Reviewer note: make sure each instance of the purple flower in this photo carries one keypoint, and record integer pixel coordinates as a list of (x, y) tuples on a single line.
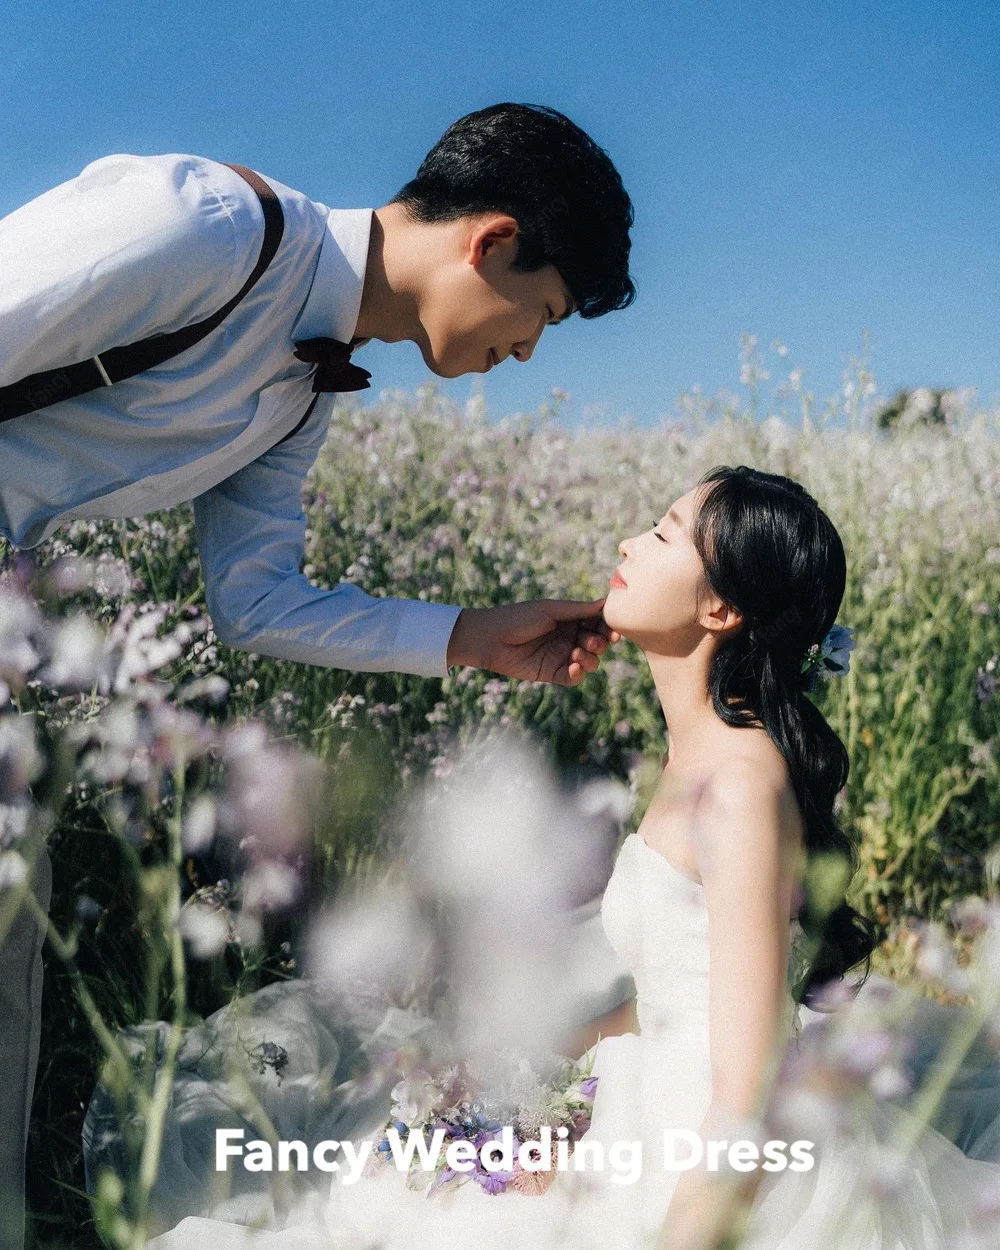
[(493, 1182), (581, 1122), (588, 1087)]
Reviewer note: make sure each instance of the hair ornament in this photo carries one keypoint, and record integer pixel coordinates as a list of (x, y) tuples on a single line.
[(829, 658)]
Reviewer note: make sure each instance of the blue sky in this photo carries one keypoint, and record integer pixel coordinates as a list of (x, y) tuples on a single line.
[(800, 171)]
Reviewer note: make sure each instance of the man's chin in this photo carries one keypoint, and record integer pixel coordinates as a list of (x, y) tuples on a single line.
[(444, 368)]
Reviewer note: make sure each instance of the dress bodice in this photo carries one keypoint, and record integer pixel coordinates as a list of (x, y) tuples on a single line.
[(655, 917)]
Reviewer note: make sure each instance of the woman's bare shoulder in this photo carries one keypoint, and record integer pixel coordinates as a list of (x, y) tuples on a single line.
[(748, 791), (735, 766)]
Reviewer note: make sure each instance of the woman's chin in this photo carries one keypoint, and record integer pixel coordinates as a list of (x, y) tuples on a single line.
[(621, 625), (612, 618)]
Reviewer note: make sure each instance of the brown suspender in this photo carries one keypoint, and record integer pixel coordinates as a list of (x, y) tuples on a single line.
[(118, 363)]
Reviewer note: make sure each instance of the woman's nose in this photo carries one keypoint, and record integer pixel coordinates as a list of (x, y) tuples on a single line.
[(622, 549)]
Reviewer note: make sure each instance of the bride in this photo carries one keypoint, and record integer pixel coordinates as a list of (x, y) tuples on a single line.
[(729, 596)]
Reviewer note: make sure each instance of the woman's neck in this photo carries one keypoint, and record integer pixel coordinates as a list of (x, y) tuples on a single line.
[(682, 687)]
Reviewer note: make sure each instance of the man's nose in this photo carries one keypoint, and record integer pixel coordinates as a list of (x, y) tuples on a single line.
[(522, 350)]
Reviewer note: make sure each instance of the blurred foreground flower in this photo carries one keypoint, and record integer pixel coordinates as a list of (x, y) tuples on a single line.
[(496, 857)]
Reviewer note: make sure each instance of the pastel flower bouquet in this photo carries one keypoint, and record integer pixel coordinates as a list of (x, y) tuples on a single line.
[(444, 1130)]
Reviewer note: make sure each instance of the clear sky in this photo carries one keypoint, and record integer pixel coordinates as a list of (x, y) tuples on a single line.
[(801, 171)]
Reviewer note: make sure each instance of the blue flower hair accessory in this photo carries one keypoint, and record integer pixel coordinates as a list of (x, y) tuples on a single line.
[(829, 658)]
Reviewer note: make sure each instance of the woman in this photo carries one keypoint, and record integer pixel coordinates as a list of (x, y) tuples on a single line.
[(728, 596)]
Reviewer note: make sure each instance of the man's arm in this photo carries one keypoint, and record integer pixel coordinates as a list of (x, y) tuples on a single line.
[(131, 247), (251, 538)]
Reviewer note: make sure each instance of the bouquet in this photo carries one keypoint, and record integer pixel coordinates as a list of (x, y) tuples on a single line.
[(445, 1129)]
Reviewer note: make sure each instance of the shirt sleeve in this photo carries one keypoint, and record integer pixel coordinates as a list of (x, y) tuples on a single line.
[(251, 539), (133, 246)]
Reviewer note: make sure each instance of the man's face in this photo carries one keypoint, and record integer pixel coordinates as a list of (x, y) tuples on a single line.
[(477, 310)]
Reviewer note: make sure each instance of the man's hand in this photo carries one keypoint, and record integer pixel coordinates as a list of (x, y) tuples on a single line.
[(552, 640)]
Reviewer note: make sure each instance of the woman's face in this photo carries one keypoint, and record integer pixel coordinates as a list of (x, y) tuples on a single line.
[(659, 596)]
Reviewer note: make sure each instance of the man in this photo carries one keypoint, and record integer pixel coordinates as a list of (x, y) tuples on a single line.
[(515, 220)]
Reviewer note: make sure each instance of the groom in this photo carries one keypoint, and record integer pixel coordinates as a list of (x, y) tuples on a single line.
[(175, 329)]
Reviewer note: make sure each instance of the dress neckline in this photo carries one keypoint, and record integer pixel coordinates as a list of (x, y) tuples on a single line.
[(663, 859), (676, 871)]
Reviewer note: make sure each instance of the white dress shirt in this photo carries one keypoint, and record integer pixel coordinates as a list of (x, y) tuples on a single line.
[(141, 245)]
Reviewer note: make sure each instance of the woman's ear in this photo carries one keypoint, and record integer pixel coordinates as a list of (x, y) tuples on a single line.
[(720, 617)]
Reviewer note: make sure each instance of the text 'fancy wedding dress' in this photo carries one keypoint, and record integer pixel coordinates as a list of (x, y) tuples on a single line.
[(656, 918)]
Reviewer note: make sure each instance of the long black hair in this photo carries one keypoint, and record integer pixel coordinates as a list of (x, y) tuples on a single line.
[(773, 554)]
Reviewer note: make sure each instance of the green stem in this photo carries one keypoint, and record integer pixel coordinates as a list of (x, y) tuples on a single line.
[(65, 951), (149, 1161)]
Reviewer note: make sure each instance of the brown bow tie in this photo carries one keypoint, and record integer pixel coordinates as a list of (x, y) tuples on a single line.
[(335, 372)]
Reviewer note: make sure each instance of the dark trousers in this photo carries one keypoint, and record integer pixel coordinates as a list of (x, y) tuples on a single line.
[(20, 1029)]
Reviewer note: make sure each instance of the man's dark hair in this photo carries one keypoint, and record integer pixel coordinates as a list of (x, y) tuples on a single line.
[(566, 196)]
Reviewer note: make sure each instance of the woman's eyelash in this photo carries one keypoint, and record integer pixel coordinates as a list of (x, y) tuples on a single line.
[(659, 536)]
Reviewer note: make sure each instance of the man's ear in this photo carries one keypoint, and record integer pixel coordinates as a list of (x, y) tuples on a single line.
[(499, 230)]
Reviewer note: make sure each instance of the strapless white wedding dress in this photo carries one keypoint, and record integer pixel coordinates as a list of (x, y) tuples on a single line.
[(656, 918)]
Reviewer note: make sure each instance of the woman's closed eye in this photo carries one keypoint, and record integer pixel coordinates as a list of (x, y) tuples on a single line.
[(659, 536)]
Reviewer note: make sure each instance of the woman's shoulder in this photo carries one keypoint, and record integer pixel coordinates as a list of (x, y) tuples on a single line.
[(746, 765), (748, 786), (733, 802)]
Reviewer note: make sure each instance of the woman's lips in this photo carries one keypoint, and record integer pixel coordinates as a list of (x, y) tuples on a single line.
[(618, 580)]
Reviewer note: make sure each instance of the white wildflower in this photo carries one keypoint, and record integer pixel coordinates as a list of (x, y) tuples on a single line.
[(205, 928), (198, 829), (77, 651), (415, 1097), (13, 869), (270, 886), (887, 1081), (20, 760), (20, 620)]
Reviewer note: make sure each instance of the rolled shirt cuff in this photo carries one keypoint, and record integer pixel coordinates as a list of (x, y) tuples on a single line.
[(422, 637)]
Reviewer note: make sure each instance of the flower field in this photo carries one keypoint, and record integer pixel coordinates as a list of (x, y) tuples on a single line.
[(175, 777)]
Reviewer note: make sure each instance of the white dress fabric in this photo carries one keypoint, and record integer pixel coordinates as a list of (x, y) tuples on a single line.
[(656, 919)]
